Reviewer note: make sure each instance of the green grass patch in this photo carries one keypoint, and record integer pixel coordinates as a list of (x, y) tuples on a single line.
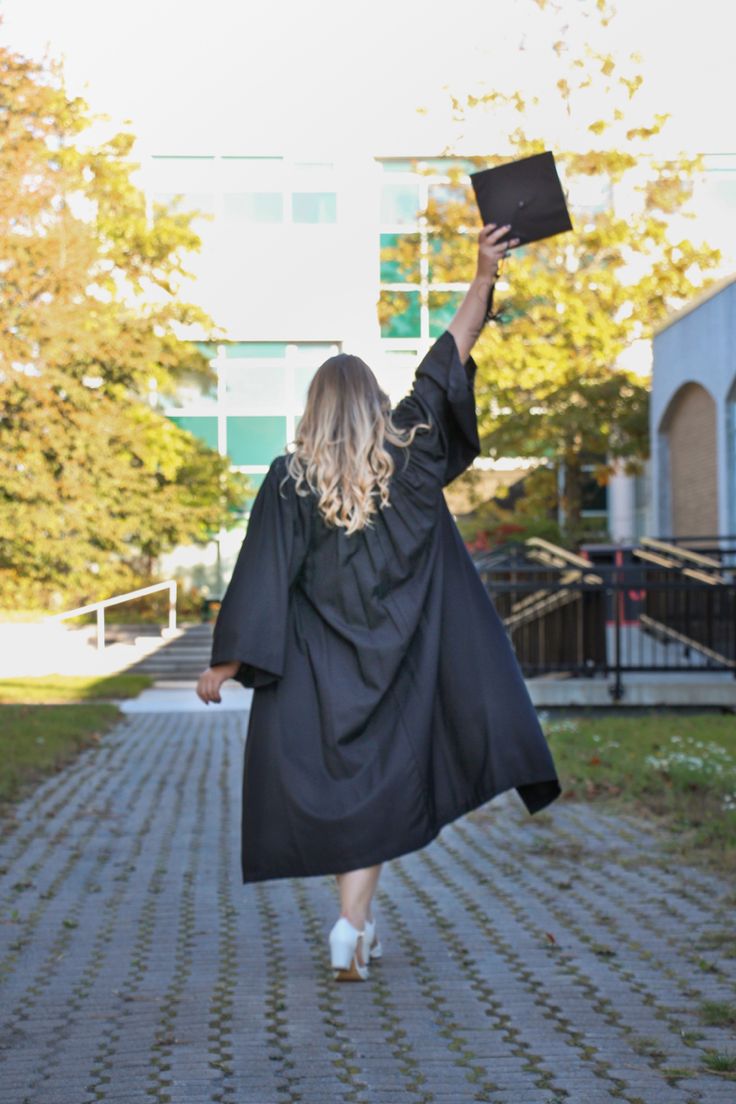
[(720, 1062), (679, 770), (37, 740), (50, 689), (718, 1013)]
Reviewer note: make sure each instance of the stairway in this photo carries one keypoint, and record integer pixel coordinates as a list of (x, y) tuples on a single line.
[(182, 659)]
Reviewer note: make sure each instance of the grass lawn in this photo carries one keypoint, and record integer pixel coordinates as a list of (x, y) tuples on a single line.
[(45, 722), (677, 769), (49, 689), (37, 740)]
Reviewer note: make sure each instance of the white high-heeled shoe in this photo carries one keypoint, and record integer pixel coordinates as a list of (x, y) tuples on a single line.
[(348, 955), (372, 942)]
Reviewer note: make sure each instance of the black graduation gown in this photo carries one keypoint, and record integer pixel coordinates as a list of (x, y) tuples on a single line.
[(387, 699)]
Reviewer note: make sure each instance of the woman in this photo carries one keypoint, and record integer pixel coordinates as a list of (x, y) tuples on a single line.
[(387, 699)]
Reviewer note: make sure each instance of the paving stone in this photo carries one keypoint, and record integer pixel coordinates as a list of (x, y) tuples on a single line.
[(526, 960)]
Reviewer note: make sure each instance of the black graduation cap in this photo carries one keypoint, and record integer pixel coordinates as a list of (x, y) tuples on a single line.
[(527, 194)]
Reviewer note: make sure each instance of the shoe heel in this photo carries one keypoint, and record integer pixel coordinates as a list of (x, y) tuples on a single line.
[(374, 950), (347, 948)]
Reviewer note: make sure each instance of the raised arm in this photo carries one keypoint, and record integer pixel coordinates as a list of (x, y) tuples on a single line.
[(470, 316)]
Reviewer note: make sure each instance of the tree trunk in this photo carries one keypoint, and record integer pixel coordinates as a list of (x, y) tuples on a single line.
[(572, 494)]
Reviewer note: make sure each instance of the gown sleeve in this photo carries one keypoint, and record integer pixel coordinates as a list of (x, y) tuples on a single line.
[(442, 394), (251, 622)]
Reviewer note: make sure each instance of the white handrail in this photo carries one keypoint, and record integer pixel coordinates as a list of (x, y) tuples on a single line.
[(100, 606)]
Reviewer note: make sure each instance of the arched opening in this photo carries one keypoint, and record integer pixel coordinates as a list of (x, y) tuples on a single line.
[(688, 450), (731, 457)]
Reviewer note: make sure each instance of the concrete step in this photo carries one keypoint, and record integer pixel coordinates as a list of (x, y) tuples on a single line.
[(181, 659)]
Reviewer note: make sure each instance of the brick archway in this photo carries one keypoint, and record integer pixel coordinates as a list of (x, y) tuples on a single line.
[(689, 427)]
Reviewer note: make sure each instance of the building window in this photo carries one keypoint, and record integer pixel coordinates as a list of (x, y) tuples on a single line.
[(442, 308), (593, 495), (256, 349), (182, 157), (257, 388), (254, 479), (314, 207), (454, 260), (405, 318), (204, 428), (399, 258), (411, 252), (443, 193), (192, 391), (303, 376), (253, 206), (397, 372), (400, 202), (255, 440)]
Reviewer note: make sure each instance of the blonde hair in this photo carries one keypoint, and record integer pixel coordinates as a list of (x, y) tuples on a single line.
[(339, 452)]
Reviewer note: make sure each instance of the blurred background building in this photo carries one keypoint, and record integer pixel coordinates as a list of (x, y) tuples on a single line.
[(291, 268), (693, 417)]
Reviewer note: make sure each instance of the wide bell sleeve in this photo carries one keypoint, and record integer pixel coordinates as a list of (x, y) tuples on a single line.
[(251, 623), (443, 394)]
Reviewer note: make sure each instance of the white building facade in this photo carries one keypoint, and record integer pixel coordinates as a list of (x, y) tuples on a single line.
[(291, 269)]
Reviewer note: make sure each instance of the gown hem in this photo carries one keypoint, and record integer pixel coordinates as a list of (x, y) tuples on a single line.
[(551, 790)]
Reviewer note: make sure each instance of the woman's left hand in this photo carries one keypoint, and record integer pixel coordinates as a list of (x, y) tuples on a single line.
[(210, 681)]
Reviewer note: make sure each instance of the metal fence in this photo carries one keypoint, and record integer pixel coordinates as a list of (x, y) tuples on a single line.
[(568, 617)]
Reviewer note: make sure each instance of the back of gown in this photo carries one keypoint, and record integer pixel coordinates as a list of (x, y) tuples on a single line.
[(387, 699)]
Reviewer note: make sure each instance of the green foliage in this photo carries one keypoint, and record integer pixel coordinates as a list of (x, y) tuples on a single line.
[(492, 523), (550, 381), (94, 482)]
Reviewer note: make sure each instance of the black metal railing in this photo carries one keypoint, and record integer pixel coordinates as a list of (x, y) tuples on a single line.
[(567, 617)]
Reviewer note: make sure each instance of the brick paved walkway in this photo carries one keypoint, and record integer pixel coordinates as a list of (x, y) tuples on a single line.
[(135, 966)]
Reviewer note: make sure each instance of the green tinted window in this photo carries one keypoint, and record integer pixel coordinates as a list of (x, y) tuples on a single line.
[(204, 428), (254, 206), (206, 348), (443, 193), (399, 258), (255, 479), (303, 374), (314, 207), (254, 440), (452, 261), (256, 349), (442, 308), (445, 164), (399, 201), (594, 496), (255, 388), (399, 314)]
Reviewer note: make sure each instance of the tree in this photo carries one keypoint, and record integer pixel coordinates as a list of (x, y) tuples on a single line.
[(94, 482), (550, 383)]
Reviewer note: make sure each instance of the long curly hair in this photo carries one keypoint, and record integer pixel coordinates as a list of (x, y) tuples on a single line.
[(339, 449)]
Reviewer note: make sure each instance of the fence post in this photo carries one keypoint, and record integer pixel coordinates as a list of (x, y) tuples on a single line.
[(172, 605), (616, 689), (100, 628)]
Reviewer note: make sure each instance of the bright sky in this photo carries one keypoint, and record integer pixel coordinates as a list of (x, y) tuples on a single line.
[(337, 75)]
